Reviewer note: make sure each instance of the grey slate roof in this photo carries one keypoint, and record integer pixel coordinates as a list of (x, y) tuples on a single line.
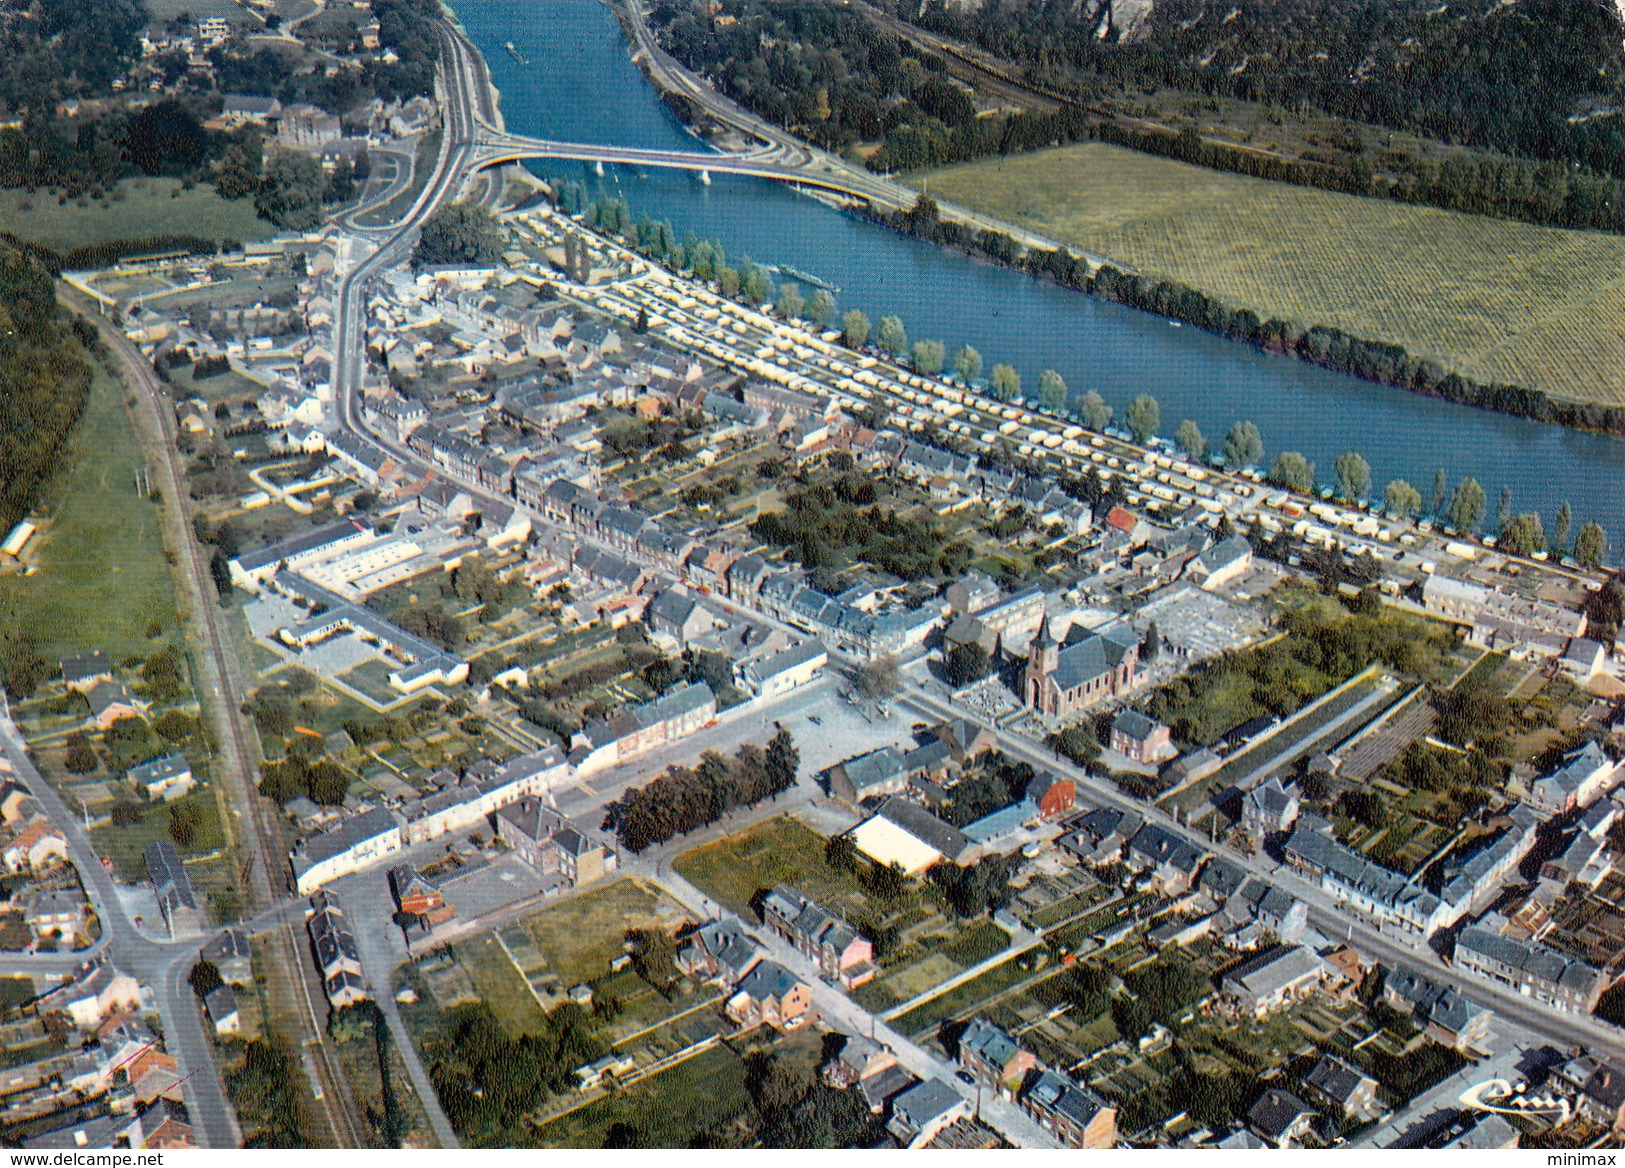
[(924, 826)]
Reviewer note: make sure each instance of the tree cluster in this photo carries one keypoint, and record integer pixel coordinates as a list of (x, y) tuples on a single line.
[(977, 889), (993, 782), (268, 1090), (686, 798), (487, 1077), (1506, 80), (323, 781), (44, 384), (827, 523), (461, 233)]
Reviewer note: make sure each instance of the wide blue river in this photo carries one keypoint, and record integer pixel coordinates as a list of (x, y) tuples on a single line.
[(580, 85)]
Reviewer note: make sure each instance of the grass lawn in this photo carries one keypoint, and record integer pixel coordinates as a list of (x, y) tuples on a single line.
[(961, 998), (706, 1093), (103, 574), (138, 207), (499, 984), (979, 941), (781, 850), (124, 844), (14, 991), (228, 386), (1495, 300), (582, 935)]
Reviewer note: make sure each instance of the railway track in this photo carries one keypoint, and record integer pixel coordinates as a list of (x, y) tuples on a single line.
[(221, 693)]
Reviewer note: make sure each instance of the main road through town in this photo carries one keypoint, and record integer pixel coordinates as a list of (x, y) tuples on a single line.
[(467, 104)]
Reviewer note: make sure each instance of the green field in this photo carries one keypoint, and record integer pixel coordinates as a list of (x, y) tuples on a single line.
[(123, 845), (580, 936), (1495, 300), (777, 851), (103, 576), (138, 208), (706, 1093), (161, 11)]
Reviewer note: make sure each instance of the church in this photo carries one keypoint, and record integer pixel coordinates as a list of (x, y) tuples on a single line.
[(1062, 680)]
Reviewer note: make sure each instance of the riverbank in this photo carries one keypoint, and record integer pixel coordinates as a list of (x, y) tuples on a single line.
[(594, 92), (1373, 362), (1590, 400)]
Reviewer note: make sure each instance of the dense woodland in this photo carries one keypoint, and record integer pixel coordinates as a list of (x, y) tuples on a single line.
[(75, 48), (1529, 88), (1506, 77), (44, 379)]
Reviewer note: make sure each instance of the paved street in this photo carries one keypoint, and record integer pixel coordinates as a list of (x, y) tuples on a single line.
[(836, 1009), (154, 961), (1325, 914)]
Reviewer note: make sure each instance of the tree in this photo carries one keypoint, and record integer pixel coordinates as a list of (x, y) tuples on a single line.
[(967, 663), (927, 357), (1436, 496), (290, 194), (1467, 506), (327, 783), (165, 138), (1402, 499), (240, 169), (1006, 382), (790, 303), (1052, 391), (1293, 471), (855, 329), (1189, 439), (1151, 645), (1503, 510), (968, 363), (205, 978), (820, 307), (1353, 476), (80, 757), (459, 233), (1143, 416), (1524, 535), (728, 282), (184, 821), (1591, 545), (879, 678), (1243, 446), (1094, 411), (892, 336), (175, 726), (782, 762), (1560, 530), (841, 853), (754, 283), (220, 572), (654, 957)]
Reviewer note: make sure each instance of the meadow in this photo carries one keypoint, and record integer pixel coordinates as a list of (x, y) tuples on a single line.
[(103, 577), (137, 208), (1494, 300)]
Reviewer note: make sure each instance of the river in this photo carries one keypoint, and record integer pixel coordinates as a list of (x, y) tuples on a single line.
[(580, 85)]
